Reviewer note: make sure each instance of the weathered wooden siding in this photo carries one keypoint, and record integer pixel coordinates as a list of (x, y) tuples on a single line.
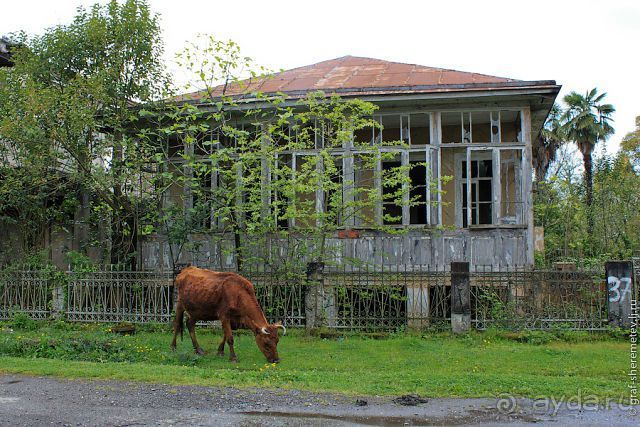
[(496, 247)]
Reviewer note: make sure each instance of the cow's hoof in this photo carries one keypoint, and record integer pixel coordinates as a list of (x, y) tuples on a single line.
[(173, 348), (221, 353), (233, 360), (200, 352)]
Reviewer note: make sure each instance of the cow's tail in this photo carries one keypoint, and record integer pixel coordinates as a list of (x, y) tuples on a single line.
[(181, 326), (179, 321)]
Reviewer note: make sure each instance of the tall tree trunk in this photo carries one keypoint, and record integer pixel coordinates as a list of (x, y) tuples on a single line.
[(588, 182), (123, 222), (117, 226)]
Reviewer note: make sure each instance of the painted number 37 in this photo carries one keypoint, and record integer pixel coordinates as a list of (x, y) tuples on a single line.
[(618, 288)]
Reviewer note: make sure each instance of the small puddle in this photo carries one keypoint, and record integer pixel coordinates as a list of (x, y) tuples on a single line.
[(472, 417), (373, 420)]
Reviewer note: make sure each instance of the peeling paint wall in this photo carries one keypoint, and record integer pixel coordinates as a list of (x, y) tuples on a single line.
[(495, 247)]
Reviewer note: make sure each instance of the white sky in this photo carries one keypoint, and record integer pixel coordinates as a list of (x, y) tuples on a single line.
[(580, 44)]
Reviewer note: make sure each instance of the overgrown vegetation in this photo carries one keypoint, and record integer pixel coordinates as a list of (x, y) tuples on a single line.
[(96, 145), (479, 364), (589, 210)]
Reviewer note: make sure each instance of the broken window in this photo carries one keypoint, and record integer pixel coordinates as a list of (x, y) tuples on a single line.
[(333, 191), (455, 127), (511, 203), (511, 126), (391, 191), (303, 135), (306, 183), (202, 210), (479, 197), (483, 127), (418, 192), (364, 177), (281, 176), (391, 130), (419, 129)]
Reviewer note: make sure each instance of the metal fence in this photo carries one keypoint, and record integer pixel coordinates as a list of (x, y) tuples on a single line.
[(281, 295), (363, 298), (384, 298), (110, 295), (538, 299), (25, 290)]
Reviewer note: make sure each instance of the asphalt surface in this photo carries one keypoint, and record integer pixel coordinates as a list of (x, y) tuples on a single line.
[(39, 401)]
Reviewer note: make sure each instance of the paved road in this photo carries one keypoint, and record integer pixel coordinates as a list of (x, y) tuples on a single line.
[(38, 401)]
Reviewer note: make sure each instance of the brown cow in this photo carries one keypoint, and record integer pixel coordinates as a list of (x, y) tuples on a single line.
[(228, 297)]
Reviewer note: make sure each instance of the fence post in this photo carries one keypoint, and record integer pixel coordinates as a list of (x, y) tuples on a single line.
[(460, 298), (58, 304), (314, 300), (619, 275)]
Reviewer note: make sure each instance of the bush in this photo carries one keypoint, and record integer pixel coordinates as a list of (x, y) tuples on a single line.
[(21, 320)]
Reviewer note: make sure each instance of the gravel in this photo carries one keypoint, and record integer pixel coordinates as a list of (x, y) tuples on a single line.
[(37, 401)]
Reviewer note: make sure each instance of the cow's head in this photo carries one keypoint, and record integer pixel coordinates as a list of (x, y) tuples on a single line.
[(267, 339)]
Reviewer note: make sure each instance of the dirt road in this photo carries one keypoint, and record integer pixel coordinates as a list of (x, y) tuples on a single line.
[(38, 401)]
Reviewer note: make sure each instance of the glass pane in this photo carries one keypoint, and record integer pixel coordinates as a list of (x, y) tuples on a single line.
[(464, 195), (484, 210), (484, 191), (485, 168)]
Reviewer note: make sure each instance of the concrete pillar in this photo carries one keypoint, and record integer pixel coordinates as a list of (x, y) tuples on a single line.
[(312, 295), (417, 305), (320, 307), (460, 298), (58, 302), (619, 275)]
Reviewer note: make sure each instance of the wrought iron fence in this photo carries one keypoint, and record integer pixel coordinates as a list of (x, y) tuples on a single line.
[(25, 290), (114, 296), (534, 299), (353, 298), (281, 295), (384, 298)]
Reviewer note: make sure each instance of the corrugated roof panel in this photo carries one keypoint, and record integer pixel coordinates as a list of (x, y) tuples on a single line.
[(352, 72)]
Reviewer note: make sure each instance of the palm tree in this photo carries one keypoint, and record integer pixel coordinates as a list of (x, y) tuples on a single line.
[(587, 121), (549, 140)]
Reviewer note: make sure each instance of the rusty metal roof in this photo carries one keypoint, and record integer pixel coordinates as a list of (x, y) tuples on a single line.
[(358, 76)]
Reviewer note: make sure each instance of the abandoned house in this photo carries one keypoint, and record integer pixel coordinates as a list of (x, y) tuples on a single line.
[(474, 128)]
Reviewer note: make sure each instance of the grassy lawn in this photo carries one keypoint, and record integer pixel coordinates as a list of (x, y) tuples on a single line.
[(436, 365)]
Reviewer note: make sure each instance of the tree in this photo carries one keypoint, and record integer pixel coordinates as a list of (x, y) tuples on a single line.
[(69, 98), (270, 176), (616, 200), (587, 121), (631, 145), (545, 147)]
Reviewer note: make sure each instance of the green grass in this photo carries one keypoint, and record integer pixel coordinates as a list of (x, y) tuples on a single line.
[(437, 365)]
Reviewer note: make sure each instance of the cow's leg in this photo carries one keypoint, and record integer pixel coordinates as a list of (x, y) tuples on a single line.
[(228, 336), (221, 346), (177, 323), (191, 325)]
